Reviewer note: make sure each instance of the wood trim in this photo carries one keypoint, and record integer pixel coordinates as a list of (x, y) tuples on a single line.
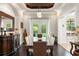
[(39, 5), (6, 15)]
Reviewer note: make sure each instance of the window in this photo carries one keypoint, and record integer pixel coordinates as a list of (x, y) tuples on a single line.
[(35, 29), (43, 30), (70, 24)]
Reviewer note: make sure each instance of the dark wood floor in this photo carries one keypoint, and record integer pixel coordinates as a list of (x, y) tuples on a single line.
[(58, 51)]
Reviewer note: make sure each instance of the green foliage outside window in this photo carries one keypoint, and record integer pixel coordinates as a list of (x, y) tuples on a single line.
[(43, 30), (35, 29), (70, 25)]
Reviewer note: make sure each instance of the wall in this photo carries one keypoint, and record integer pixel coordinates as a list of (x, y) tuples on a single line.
[(18, 20), (62, 36), (61, 30), (53, 25), (8, 9), (26, 23)]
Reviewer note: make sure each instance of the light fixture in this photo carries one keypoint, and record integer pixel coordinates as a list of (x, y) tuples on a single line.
[(39, 15)]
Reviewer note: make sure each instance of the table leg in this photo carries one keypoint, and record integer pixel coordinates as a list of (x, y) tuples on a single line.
[(51, 51)]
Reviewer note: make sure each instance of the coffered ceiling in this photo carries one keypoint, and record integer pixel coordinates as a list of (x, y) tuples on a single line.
[(39, 5)]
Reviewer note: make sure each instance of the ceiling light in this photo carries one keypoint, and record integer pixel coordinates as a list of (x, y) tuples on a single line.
[(39, 15)]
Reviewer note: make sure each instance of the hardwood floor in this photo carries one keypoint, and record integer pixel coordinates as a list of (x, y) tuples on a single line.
[(60, 51), (57, 51)]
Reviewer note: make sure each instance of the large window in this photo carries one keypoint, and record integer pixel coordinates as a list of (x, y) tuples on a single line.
[(39, 27), (43, 30), (35, 29)]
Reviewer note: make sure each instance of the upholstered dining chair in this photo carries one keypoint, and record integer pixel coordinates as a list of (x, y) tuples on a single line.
[(50, 43), (50, 40), (29, 42)]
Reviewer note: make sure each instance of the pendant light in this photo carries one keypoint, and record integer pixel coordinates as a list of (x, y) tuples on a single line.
[(39, 14)]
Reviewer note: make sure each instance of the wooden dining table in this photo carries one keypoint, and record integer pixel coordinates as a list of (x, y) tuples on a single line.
[(40, 47)]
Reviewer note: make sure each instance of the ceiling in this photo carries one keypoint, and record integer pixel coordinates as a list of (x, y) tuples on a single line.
[(62, 8)]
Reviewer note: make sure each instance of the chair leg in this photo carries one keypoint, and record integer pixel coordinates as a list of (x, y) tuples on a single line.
[(51, 52)]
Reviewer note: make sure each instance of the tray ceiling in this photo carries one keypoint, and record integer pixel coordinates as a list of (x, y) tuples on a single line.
[(39, 5)]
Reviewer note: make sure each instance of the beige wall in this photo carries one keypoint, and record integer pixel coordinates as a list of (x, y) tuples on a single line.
[(53, 25), (62, 31)]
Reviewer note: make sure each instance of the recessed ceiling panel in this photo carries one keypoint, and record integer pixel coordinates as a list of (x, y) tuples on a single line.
[(39, 5)]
